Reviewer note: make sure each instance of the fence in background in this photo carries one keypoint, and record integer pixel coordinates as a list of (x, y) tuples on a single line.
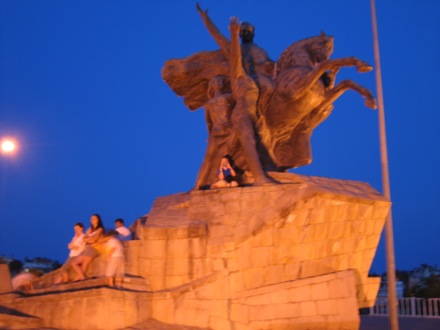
[(417, 307)]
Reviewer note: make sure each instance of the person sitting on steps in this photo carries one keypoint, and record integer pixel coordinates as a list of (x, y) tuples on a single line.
[(92, 249)]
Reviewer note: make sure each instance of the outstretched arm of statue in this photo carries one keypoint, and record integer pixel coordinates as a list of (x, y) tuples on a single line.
[(219, 38), (235, 52)]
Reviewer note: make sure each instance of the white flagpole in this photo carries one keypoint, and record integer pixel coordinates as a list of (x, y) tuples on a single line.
[(389, 239)]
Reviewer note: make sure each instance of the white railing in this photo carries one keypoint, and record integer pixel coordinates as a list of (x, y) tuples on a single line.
[(417, 307)]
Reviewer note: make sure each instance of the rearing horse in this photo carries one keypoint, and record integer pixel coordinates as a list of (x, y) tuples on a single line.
[(303, 97)]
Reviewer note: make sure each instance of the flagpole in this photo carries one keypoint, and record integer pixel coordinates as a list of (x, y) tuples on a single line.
[(389, 239)]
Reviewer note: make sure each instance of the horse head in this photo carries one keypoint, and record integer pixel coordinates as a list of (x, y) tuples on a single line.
[(307, 52)]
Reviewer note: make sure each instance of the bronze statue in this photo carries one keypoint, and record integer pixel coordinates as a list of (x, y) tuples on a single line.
[(269, 110)]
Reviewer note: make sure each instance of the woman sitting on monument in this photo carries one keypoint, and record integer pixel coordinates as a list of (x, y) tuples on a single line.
[(227, 174), (91, 251)]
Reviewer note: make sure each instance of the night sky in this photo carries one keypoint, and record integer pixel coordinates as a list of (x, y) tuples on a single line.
[(99, 131)]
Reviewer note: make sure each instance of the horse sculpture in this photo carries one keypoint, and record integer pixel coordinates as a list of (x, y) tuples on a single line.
[(302, 95)]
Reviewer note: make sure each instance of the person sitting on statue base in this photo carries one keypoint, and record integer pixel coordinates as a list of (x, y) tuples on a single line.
[(227, 175)]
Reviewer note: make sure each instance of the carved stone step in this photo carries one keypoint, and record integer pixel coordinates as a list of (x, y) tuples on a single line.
[(13, 319), (132, 283)]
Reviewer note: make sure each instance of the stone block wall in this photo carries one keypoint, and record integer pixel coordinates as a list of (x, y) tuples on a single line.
[(295, 255), (243, 239), (5, 278), (97, 308), (321, 302)]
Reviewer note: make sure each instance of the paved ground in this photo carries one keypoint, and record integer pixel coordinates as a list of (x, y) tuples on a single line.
[(405, 323)]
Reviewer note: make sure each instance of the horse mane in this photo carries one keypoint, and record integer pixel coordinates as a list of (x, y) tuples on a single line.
[(298, 51)]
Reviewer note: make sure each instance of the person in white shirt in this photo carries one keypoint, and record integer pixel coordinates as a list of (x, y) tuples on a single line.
[(115, 267), (124, 234), (23, 281), (76, 246)]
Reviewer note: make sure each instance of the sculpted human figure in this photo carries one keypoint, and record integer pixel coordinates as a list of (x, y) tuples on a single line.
[(276, 107), (218, 111), (250, 70)]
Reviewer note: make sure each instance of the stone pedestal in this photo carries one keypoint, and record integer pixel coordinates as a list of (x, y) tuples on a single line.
[(5, 278), (294, 255), (297, 253)]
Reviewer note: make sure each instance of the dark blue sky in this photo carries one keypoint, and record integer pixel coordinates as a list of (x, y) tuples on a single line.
[(100, 132)]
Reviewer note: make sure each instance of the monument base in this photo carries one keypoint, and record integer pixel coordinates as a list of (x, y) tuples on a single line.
[(293, 255)]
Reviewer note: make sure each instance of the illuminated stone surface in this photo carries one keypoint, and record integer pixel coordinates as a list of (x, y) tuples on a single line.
[(295, 255)]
